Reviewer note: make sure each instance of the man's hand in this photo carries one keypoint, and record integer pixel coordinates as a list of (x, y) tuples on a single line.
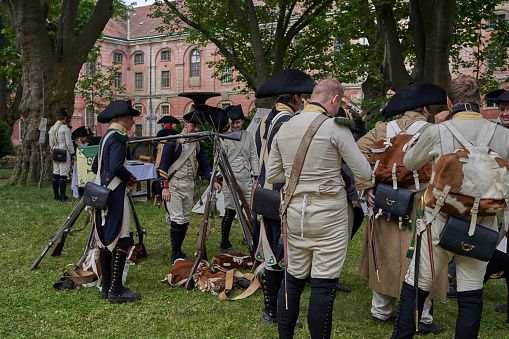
[(166, 195), (218, 187), (370, 193), (442, 116)]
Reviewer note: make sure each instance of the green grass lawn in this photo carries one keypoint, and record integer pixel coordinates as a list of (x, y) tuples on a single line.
[(30, 307)]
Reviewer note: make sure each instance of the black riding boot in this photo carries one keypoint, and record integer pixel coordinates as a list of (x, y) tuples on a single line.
[(226, 226), (469, 314), (119, 293), (321, 301), (287, 318), (404, 325), (105, 260), (271, 281), (63, 185), (177, 235), (56, 182)]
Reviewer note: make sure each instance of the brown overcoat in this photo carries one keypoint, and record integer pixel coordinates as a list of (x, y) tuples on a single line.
[(391, 243)]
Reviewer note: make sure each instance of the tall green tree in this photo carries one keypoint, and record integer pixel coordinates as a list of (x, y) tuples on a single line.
[(95, 83), (257, 38), (53, 40)]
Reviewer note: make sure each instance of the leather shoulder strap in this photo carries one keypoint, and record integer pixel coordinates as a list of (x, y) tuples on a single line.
[(300, 157)]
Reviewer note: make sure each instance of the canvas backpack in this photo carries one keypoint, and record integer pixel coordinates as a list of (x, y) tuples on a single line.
[(469, 181), (387, 157)]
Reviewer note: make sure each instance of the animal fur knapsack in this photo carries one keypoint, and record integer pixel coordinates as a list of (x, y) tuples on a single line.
[(469, 181), (387, 157)]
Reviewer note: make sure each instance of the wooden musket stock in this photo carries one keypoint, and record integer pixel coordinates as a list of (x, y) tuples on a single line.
[(71, 219)]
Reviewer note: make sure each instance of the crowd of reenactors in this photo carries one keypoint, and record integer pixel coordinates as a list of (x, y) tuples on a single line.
[(319, 155)]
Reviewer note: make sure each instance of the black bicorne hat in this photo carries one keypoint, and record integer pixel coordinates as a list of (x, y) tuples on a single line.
[(414, 95), (288, 81), (214, 116), (497, 96), (83, 131), (117, 109), (235, 113), (62, 112), (168, 119)]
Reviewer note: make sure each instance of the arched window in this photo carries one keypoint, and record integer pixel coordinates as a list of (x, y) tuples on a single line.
[(195, 63)]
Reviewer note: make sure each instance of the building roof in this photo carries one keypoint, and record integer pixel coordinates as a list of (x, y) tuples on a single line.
[(139, 25)]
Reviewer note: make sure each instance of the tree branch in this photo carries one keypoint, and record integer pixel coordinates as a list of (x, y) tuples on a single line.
[(249, 77), (103, 12)]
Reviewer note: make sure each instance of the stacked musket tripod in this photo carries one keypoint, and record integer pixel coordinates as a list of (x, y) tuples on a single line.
[(66, 227), (221, 163)]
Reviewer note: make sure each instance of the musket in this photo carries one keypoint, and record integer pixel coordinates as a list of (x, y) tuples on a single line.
[(244, 212), (419, 213), (202, 237), (372, 243), (227, 135), (58, 248), (139, 229), (71, 219), (285, 245), (90, 244), (430, 249)]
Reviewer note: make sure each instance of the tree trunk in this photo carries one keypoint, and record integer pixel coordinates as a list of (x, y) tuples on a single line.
[(393, 71)]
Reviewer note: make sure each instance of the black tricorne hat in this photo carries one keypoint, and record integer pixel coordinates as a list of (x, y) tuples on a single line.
[(235, 113), (414, 95), (215, 116), (83, 131), (117, 109), (168, 119), (288, 81), (202, 114), (497, 96)]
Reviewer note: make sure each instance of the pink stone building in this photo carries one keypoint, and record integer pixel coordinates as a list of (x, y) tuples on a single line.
[(155, 68)]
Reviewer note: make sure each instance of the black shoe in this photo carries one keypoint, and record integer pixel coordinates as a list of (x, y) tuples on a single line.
[(429, 328), (268, 320), (342, 288), (179, 255), (452, 292), (502, 308), (380, 321), (125, 296), (65, 199), (229, 250)]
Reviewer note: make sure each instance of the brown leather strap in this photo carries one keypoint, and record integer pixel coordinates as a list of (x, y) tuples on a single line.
[(230, 274), (299, 159)]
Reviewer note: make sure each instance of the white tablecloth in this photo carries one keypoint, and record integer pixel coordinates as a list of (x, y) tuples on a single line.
[(143, 172)]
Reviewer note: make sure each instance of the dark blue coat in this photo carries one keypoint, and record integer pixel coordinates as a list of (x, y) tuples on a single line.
[(162, 133), (272, 227), (115, 152), (171, 152)]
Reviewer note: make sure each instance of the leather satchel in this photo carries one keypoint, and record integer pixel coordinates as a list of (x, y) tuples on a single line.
[(397, 203), (266, 202), (97, 196), (59, 155), (454, 238)]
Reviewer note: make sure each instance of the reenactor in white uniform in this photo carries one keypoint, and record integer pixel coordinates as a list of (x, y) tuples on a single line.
[(317, 217), (177, 171), (60, 137), (412, 102), (463, 98), (243, 160)]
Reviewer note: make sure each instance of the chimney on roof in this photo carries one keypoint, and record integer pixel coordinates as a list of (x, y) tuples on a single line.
[(128, 28)]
